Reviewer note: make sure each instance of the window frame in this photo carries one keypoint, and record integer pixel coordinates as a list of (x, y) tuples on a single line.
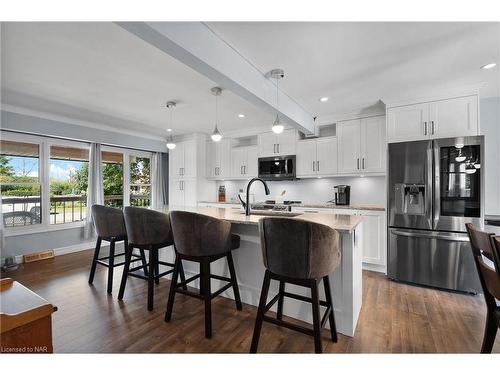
[(44, 143)]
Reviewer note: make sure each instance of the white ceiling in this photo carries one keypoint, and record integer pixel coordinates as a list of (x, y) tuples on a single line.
[(355, 64), (99, 72)]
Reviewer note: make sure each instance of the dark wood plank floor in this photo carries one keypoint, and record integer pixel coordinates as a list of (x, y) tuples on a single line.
[(395, 318)]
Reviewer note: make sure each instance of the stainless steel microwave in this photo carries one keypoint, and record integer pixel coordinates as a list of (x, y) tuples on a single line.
[(277, 168)]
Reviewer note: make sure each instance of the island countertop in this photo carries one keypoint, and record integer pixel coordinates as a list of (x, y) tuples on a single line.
[(342, 223)]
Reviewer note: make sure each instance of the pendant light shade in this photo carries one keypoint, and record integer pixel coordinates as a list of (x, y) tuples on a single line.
[(460, 157), (277, 127), (216, 135), (170, 140)]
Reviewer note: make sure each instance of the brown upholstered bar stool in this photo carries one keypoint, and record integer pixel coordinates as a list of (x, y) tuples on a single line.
[(110, 226), (150, 230), (202, 239), (484, 244), (302, 253)]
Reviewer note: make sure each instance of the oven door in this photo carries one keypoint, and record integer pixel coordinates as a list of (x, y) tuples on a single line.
[(277, 168)]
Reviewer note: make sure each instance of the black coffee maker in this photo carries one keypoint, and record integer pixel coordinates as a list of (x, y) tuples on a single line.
[(342, 195)]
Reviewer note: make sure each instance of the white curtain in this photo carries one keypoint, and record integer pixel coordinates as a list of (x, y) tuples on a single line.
[(95, 192), (158, 188), (2, 238)]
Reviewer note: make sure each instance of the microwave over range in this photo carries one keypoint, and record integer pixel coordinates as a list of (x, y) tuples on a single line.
[(277, 168)]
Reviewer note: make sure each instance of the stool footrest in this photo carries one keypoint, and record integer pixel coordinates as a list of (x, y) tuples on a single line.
[(303, 298), (325, 317), (294, 327), (189, 293), (271, 303), (222, 278), (224, 288), (187, 281)]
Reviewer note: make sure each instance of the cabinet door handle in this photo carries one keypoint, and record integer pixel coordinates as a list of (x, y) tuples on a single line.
[(241, 169), (245, 169), (433, 128), (425, 127), (278, 148), (357, 163), (274, 148), (314, 166), (363, 163), (317, 165)]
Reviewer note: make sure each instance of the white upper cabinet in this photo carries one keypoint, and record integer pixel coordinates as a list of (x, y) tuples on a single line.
[(176, 157), (183, 160), (326, 151), (362, 146), (408, 123), (454, 117), (219, 159), (373, 145), (244, 162), (349, 138), (271, 144), (317, 157), (306, 158)]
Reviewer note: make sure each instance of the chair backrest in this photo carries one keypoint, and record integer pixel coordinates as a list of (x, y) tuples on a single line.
[(108, 221), (483, 246), (298, 248), (147, 227), (15, 218), (200, 235)]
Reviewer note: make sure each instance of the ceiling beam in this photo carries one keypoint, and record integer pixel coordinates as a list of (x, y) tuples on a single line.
[(197, 46)]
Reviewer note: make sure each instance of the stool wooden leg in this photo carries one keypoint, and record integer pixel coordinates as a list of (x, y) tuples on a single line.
[(181, 273), (279, 312), (173, 287), (144, 262), (329, 301), (234, 281), (490, 332), (316, 317), (151, 278), (157, 266), (260, 312), (111, 262), (94, 260), (206, 292), (128, 257)]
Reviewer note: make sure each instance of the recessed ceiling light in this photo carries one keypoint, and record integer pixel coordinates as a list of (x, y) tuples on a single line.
[(323, 99), (169, 130), (241, 115), (489, 66)]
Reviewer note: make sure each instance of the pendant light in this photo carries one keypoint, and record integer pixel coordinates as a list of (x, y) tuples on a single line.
[(470, 168), (170, 140), (216, 135), (277, 74), (460, 157)]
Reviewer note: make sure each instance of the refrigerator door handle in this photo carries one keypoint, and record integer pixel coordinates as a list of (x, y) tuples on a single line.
[(446, 237)]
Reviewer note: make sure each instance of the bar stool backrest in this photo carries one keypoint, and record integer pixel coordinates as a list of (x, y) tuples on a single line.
[(483, 246), (108, 221), (200, 235), (298, 248), (147, 227)]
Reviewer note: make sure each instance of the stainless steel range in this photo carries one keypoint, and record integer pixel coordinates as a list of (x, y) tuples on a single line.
[(434, 188)]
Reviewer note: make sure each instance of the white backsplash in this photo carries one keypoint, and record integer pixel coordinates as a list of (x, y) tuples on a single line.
[(364, 190)]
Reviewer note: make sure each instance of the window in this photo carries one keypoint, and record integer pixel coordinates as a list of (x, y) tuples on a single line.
[(140, 181), (112, 175), (68, 181), (20, 183)]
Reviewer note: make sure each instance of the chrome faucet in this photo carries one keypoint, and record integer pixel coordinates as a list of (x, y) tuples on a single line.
[(246, 205)]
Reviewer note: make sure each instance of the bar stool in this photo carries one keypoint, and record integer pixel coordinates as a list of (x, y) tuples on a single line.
[(150, 230), (302, 253), (110, 226), (485, 244), (202, 239)]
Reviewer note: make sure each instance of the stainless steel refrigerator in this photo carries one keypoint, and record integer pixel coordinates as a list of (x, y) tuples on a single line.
[(434, 188)]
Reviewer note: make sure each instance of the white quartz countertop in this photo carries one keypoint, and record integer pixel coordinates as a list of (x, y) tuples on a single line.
[(370, 207), (342, 223)]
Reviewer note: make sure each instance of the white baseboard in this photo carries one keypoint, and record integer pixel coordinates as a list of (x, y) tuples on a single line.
[(375, 268)]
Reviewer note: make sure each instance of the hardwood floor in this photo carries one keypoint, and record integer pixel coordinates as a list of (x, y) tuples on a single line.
[(395, 318)]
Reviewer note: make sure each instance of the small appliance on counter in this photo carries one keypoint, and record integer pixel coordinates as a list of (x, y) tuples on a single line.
[(222, 194), (342, 195)]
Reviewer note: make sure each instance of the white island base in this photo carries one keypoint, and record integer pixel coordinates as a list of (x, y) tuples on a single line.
[(346, 281)]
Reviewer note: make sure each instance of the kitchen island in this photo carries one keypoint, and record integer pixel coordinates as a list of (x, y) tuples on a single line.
[(346, 281)]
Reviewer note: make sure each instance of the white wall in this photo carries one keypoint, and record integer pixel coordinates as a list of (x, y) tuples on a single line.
[(490, 128), (364, 190)]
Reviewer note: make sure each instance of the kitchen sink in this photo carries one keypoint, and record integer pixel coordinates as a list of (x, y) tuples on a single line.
[(273, 213)]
